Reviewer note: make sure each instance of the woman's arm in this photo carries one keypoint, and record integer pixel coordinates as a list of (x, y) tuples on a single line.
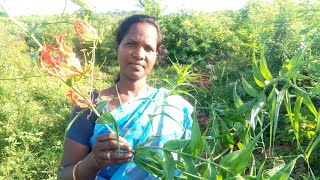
[(75, 152), (79, 163)]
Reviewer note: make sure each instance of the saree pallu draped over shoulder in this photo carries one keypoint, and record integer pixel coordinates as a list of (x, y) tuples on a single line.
[(157, 114)]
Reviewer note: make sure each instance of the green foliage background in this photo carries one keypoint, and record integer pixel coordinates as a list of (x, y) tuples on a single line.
[(34, 109)]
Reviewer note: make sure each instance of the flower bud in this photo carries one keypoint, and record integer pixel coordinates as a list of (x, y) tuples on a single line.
[(85, 31)]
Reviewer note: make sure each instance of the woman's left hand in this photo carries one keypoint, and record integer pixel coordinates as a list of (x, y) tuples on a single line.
[(105, 150)]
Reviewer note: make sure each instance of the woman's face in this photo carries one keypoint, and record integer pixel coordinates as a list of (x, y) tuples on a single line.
[(137, 52)]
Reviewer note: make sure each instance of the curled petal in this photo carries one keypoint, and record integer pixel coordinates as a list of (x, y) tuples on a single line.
[(60, 61), (77, 100)]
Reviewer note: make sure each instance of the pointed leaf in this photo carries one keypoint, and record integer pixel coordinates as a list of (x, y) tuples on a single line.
[(256, 110), (168, 165), (101, 105), (284, 172), (318, 122), (256, 73), (279, 101), (176, 144), (313, 146), (237, 100), (107, 118), (149, 140), (190, 168), (295, 64), (249, 89), (296, 119), (264, 68), (196, 142), (237, 161), (307, 101), (83, 5)]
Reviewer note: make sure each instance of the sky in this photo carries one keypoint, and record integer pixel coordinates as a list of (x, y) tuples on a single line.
[(42, 7)]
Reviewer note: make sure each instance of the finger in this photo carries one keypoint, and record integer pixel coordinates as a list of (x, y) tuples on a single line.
[(105, 163), (112, 145), (110, 136), (115, 156)]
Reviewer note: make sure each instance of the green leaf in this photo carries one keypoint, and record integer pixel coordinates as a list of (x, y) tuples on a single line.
[(101, 105), (290, 113), (150, 139), (70, 82), (83, 5), (168, 165), (148, 167), (272, 102), (295, 64), (210, 172), (279, 101), (307, 101), (256, 73), (196, 142), (237, 100), (313, 146), (148, 154), (249, 89), (264, 68), (107, 118), (190, 167), (72, 121), (296, 119), (241, 110), (316, 90), (35, 57), (318, 122), (237, 161), (284, 172), (256, 110), (177, 144)]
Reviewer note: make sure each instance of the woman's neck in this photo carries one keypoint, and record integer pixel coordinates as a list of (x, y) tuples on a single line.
[(130, 90)]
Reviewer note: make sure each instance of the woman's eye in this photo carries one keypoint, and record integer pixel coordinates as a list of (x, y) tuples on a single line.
[(149, 49), (131, 44)]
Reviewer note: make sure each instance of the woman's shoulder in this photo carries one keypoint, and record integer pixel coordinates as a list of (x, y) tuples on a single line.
[(106, 94)]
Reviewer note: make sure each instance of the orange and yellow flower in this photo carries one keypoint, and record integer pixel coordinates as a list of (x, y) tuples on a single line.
[(78, 100), (85, 31), (60, 61)]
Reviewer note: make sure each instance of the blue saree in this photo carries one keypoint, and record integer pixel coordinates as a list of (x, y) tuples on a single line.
[(156, 114)]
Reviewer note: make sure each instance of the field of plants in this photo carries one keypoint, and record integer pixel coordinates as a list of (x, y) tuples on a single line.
[(253, 75)]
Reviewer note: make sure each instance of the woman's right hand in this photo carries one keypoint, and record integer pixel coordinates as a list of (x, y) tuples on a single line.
[(105, 150)]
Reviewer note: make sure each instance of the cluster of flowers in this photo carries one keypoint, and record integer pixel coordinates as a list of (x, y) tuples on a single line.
[(61, 62)]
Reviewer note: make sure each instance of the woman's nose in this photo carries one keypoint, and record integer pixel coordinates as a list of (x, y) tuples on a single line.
[(140, 53)]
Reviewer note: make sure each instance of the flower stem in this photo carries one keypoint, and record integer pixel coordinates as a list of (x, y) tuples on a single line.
[(21, 26), (91, 106)]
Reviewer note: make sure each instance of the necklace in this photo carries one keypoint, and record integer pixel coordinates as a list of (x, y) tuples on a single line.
[(119, 94)]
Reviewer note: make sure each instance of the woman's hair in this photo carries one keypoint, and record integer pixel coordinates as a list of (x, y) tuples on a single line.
[(140, 18)]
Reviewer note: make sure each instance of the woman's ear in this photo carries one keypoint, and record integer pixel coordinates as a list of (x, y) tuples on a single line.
[(116, 50)]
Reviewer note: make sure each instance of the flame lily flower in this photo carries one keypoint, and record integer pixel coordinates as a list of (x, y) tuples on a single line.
[(78, 100), (85, 31), (60, 61)]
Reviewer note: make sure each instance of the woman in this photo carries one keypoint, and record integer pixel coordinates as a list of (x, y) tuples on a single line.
[(90, 150)]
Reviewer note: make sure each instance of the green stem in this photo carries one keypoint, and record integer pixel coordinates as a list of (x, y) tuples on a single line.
[(301, 90), (21, 26), (91, 106), (18, 78), (93, 62)]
